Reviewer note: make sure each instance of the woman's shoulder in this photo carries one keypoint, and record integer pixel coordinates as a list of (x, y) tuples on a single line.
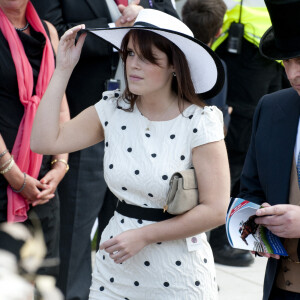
[(206, 113), (110, 102)]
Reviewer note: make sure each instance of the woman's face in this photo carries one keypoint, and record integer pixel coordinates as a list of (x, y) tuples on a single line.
[(13, 5), (145, 78)]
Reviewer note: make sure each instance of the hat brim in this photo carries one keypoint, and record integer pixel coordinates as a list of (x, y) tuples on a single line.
[(270, 50), (206, 69)]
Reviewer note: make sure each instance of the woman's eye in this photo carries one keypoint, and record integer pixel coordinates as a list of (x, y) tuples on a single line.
[(130, 53)]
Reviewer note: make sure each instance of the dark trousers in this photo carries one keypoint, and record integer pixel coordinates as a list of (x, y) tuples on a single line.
[(48, 216), (81, 192)]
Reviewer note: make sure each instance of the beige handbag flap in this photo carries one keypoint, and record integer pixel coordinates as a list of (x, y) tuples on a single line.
[(188, 178)]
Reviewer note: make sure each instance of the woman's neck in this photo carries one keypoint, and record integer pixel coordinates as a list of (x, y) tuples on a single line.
[(16, 16), (159, 107)]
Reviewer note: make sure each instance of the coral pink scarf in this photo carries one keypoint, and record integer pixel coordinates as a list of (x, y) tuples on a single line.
[(28, 161)]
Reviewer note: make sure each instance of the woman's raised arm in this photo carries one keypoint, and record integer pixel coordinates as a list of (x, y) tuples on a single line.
[(48, 135)]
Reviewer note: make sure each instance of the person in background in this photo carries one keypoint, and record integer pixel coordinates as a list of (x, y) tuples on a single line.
[(143, 251), (83, 192), (250, 76), (28, 181), (205, 19), (271, 174)]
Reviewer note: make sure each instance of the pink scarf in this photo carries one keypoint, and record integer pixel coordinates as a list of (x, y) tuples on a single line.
[(28, 161)]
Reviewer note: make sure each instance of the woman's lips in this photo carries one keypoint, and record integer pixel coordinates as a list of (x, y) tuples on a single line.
[(135, 78)]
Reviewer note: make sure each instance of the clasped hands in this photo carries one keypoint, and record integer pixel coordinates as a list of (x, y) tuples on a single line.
[(38, 192), (282, 220)]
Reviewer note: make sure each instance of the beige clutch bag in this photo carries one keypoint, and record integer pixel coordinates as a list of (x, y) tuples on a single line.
[(183, 192)]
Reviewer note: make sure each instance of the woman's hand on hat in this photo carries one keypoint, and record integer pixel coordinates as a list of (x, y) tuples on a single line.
[(124, 245), (129, 13), (68, 50)]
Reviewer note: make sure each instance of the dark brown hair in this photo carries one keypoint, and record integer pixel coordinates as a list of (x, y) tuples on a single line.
[(204, 18), (182, 83)]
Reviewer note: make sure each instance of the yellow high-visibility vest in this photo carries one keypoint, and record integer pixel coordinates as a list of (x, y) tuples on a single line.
[(255, 17)]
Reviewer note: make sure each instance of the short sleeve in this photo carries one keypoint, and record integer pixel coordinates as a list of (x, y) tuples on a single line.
[(207, 126), (107, 106)]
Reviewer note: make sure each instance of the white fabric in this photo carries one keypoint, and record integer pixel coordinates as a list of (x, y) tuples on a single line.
[(137, 169)]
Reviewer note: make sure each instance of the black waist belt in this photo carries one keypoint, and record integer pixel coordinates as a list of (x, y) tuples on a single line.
[(137, 212)]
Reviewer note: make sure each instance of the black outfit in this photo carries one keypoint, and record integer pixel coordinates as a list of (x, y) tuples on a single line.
[(250, 76), (11, 113), (220, 100), (83, 189), (267, 171)]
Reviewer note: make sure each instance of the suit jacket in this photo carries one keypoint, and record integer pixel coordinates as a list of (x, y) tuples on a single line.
[(267, 169), (95, 65)]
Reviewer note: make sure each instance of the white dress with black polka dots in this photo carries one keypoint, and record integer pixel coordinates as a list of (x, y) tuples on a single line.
[(140, 157)]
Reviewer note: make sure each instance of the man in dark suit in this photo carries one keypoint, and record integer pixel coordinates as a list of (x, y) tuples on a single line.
[(271, 174), (83, 191)]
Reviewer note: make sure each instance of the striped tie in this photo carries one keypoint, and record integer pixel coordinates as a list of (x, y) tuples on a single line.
[(298, 169)]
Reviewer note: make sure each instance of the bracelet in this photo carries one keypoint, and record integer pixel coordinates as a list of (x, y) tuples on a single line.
[(22, 187), (3, 153), (9, 166), (7, 162), (63, 161)]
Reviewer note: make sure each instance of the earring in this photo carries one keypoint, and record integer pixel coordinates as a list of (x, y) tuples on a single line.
[(174, 74)]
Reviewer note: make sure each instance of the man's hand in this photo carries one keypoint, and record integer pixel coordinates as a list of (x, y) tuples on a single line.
[(129, 13), (283, 219)]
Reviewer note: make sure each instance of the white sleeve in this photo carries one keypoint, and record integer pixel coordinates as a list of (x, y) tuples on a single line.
[(207, 126), (107, 106)]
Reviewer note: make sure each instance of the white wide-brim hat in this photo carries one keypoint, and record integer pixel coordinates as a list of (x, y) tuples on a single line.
[(205, 67)]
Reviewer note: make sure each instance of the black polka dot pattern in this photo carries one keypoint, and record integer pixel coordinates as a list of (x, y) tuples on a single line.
[(136, 283), (172, 136), (111, 279), (164, 177), (140, 221), (117, 95), (153, 155), (105, 97), (147, 135), (124, 188), (147, 263), (166, 284), (106, 144), (106, 123), (111, 166), (197, 283), (178, 263), (123, 127), (129, 149), (101, 288), (195, 130), (103, 257), (150, 195), (182, 157), (158, 243), (145, 204), (190, 117), (205, 260), (136, 172), (122, 221)]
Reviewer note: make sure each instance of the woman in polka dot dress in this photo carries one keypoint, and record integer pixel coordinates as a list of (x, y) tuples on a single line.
[(156, 127)]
